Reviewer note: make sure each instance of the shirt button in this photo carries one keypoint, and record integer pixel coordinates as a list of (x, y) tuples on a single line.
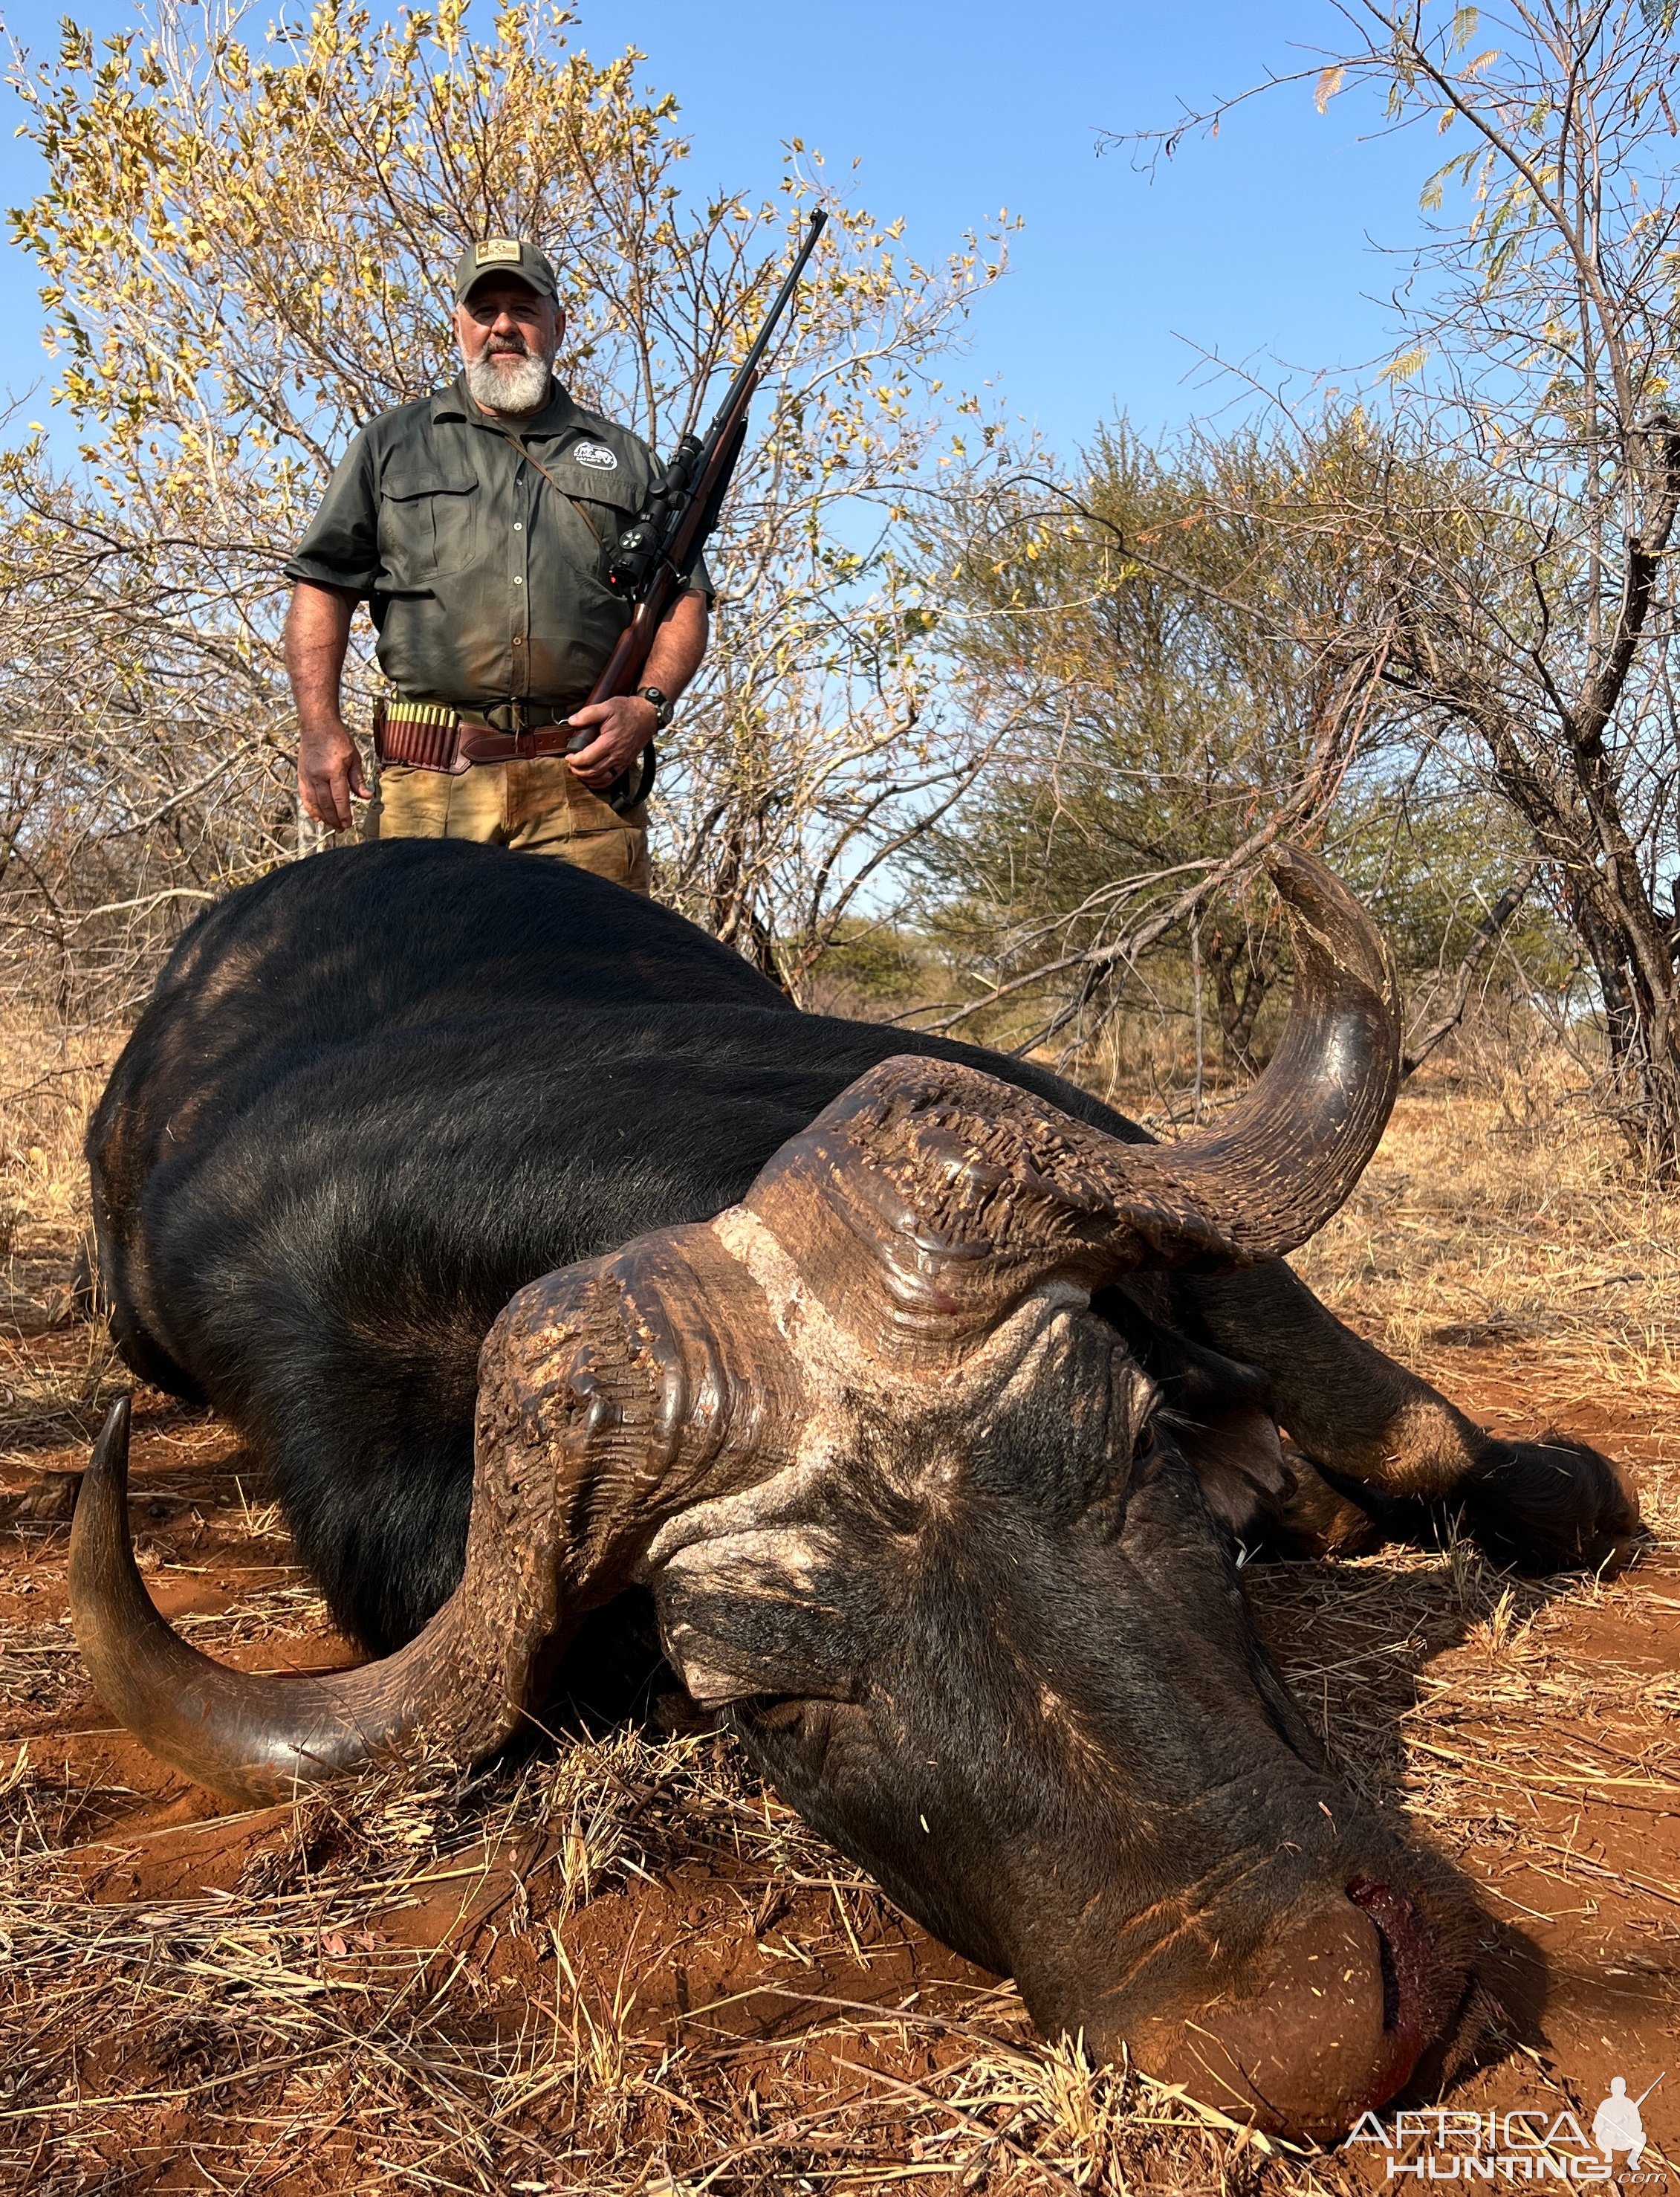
[(518, 582), (519, 525), (518, 638)]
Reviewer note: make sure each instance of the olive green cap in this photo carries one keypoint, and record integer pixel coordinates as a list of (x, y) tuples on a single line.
[(504, 255)]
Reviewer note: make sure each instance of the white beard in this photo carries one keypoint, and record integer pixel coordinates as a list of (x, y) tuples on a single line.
[(509, 385)]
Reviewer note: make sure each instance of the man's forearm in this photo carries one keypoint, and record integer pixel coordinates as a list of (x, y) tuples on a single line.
[(317, 635), (317, 638), (679, 645)]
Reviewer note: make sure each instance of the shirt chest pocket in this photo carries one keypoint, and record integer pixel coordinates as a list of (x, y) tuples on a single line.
[(594, 507), (429, 523)]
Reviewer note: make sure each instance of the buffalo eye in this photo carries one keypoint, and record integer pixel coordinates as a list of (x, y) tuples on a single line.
[(775, 1712), (760, 1615)]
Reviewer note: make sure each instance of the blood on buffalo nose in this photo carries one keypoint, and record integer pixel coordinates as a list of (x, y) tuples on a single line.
[(1328, 2021)]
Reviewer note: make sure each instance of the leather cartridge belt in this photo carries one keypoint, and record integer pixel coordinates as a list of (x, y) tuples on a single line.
[(432, 736)]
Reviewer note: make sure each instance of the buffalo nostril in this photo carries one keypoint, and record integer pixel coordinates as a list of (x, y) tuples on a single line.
[(1410, 1969), (1328, 2019)]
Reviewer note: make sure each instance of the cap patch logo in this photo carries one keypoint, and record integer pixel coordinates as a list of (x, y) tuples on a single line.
[(596, 456), (496, 251)]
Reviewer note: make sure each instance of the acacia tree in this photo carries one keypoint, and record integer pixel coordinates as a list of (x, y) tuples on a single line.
[(245, 245), (1531, 613), (1170, 683)]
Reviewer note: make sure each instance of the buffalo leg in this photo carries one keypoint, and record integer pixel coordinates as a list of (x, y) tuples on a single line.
[(1365, 1421)]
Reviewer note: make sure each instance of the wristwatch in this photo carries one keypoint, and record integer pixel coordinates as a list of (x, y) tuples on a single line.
[(664, 708)]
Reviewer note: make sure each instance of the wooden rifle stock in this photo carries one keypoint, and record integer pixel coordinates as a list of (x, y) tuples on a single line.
[(621, 672)]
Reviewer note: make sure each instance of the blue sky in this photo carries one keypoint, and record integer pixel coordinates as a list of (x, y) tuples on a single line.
[(1259, 246)]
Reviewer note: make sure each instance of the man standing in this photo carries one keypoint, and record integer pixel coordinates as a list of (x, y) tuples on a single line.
[(478, 526)]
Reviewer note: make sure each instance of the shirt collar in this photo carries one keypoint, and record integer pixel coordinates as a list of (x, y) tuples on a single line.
[(558, 413)]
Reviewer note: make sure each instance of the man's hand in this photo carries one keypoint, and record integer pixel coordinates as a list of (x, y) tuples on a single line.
[(622, 729), (329, 770)]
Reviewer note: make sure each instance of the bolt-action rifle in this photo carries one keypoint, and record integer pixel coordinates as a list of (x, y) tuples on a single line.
[(655, 561)]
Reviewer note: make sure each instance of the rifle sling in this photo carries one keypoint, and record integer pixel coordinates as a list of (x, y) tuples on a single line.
[(579, 503)]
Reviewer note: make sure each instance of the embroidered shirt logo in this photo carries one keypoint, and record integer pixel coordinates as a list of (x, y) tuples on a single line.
[(596, 457)]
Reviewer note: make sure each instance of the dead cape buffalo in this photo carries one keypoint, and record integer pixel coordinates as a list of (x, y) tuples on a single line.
[(541, 1251)]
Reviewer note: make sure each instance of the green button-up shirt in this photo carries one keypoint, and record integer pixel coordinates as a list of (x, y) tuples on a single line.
[(485, 580)]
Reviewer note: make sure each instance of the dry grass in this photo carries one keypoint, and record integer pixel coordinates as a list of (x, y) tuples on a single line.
[(48, 1088), (623, 1967), (1505, 1219), (288, 2011)]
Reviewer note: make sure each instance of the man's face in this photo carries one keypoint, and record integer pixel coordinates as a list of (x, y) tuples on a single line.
[(508, 338)]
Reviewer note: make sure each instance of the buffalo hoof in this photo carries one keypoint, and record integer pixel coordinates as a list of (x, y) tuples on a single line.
[(1552, 1506)]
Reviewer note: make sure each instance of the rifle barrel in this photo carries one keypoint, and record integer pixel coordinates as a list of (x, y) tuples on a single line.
[(749, 365), (711, 463)]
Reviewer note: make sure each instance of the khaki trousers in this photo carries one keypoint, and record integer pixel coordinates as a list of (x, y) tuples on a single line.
[(541, 805)]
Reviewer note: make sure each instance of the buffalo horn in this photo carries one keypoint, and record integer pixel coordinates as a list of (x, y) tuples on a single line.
[(929, 1198), (609, 1396)]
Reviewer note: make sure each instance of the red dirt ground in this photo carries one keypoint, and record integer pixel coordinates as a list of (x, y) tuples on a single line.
[(1559, 1799)]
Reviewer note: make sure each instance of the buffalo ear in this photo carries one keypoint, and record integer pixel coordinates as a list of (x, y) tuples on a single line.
[(1238, 1457), (1215, 1410), (1321, 1514)]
